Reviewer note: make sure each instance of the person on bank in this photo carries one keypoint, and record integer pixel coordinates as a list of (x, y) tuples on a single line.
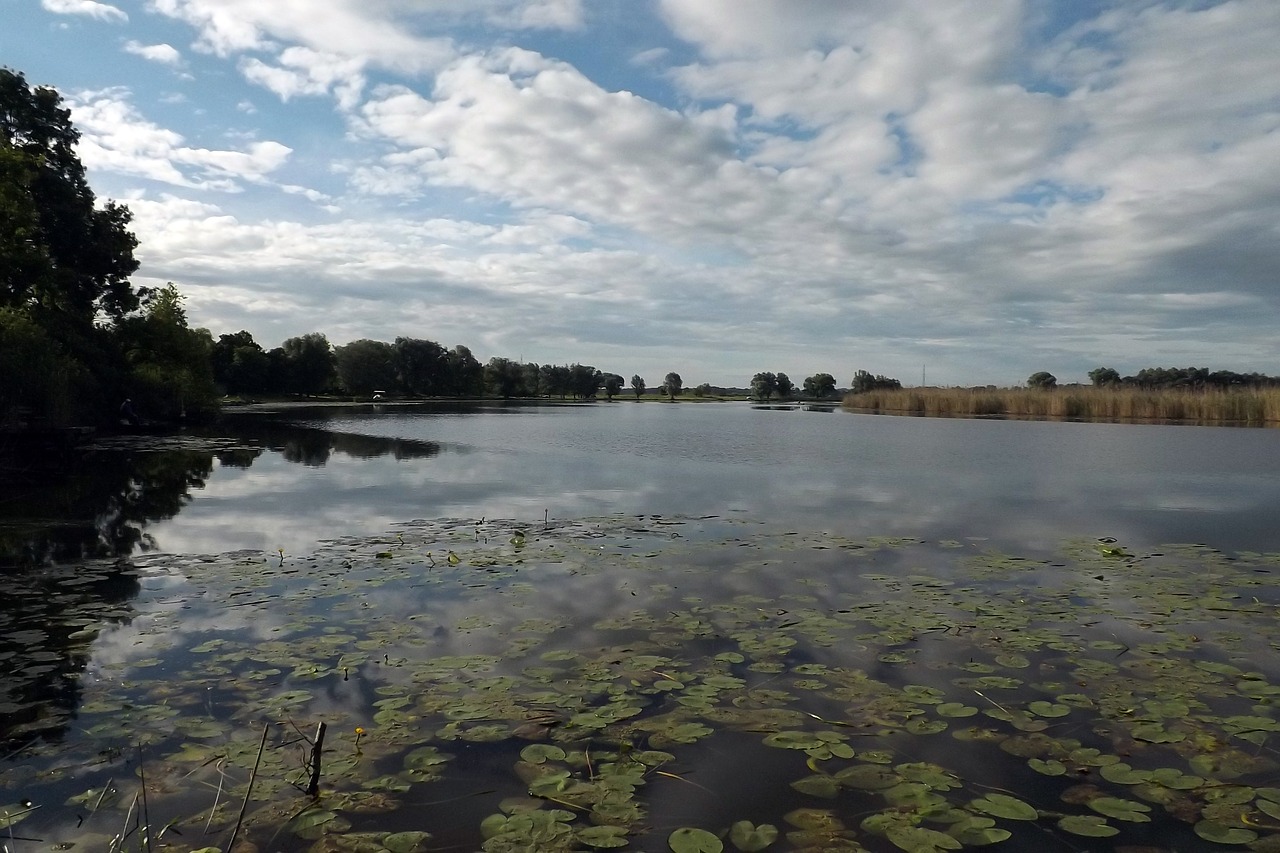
[(127, 413)]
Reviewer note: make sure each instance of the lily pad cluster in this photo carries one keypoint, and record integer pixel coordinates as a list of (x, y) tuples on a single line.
[(603, 683)]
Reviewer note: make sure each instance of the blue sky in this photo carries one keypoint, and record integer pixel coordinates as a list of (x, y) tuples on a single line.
[(984, 187)]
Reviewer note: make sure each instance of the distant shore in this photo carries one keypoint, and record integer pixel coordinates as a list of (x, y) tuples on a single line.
[(1243, 407)]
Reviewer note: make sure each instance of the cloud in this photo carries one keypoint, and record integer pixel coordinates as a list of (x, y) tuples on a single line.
[(88, 8), (161, 53), (982, 183), (116, 138), (351, 29), (302, 71)]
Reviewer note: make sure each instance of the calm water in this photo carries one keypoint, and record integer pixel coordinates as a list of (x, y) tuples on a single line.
[(1028, 482), (579, 627)]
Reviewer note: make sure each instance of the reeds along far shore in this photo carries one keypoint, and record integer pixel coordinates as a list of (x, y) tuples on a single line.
[(1245, 406)]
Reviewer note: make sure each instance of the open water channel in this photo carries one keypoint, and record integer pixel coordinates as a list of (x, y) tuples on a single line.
[(646, 627)]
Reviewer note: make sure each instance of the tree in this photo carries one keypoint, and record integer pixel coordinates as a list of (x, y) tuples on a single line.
[(240, 365), (584, 381), (59, 251), (863, 382), (1043, 380), (311, 363), (421, 366), (465, 375), (612, 385), (171, 369), (1103, 376), (672, 386), (365, 366), (637, 385), (763, 385), (820, 386), (503, 378), (785, 386)]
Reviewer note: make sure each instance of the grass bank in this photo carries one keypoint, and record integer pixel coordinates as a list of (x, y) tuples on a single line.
[(1249, 407)]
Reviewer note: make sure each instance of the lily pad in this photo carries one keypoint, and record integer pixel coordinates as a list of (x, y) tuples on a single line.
[(750, 838), (691, 840)]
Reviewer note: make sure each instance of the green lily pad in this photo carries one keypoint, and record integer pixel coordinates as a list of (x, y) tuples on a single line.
[(603, 837), (1091, 826), (406, 842), (1119, 809), (1221, 834), (750, 838), (918, 839), (1005, 806), (690, 840)]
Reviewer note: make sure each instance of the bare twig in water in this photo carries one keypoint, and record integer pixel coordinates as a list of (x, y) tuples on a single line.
[(266, 729), (146, 812), (313, 788)]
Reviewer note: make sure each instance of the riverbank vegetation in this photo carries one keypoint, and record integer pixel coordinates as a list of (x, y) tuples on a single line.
[(1250, 406), (76, 337)]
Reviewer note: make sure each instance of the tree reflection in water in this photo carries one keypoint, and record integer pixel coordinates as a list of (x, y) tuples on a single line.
[(68, 525)]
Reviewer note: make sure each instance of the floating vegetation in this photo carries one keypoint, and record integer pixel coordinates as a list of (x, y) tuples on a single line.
[(601, 684)]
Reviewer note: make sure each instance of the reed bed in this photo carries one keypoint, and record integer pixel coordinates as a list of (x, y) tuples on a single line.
[(1253, 407)]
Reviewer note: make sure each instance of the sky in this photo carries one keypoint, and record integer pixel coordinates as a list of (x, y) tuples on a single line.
[(954, 192)]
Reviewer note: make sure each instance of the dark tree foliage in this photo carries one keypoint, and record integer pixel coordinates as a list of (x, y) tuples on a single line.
[(366, 366), (584, 381), (422, 366), (672, 385), (785, 386), (504, 378), (62, 252), (820, 386), (312, 366), (1103, 376), (1043, 380), (464, 376), (241, 366), (637, 385), (1196, 379), (863, 381), (764, 385)]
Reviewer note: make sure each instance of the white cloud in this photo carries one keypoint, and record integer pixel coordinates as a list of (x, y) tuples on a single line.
[(302, 71), (116, 138), (351, 29), (89, 8), (162, 53), (898, 176)]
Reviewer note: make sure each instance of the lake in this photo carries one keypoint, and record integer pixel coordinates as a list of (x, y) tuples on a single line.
[(644, 626)]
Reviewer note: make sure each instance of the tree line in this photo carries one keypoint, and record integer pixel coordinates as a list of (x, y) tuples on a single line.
[(1165, 379), (76, 336)]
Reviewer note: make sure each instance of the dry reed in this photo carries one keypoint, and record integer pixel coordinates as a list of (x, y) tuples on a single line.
[(1254, 407)]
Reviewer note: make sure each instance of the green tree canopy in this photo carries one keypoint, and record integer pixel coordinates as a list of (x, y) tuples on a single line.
[(637, 385), (422, 366), (672, 386), (1102, 376), (59, 251), (863, 381), (612, 384), (1043, 380), (365, 366), (820, 386), (785, 386), (764, 385), (170, 365), (311, 362)]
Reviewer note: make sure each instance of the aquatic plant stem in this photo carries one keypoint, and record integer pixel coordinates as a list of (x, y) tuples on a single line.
[(317, 747), (146, 812), (266, 729)]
